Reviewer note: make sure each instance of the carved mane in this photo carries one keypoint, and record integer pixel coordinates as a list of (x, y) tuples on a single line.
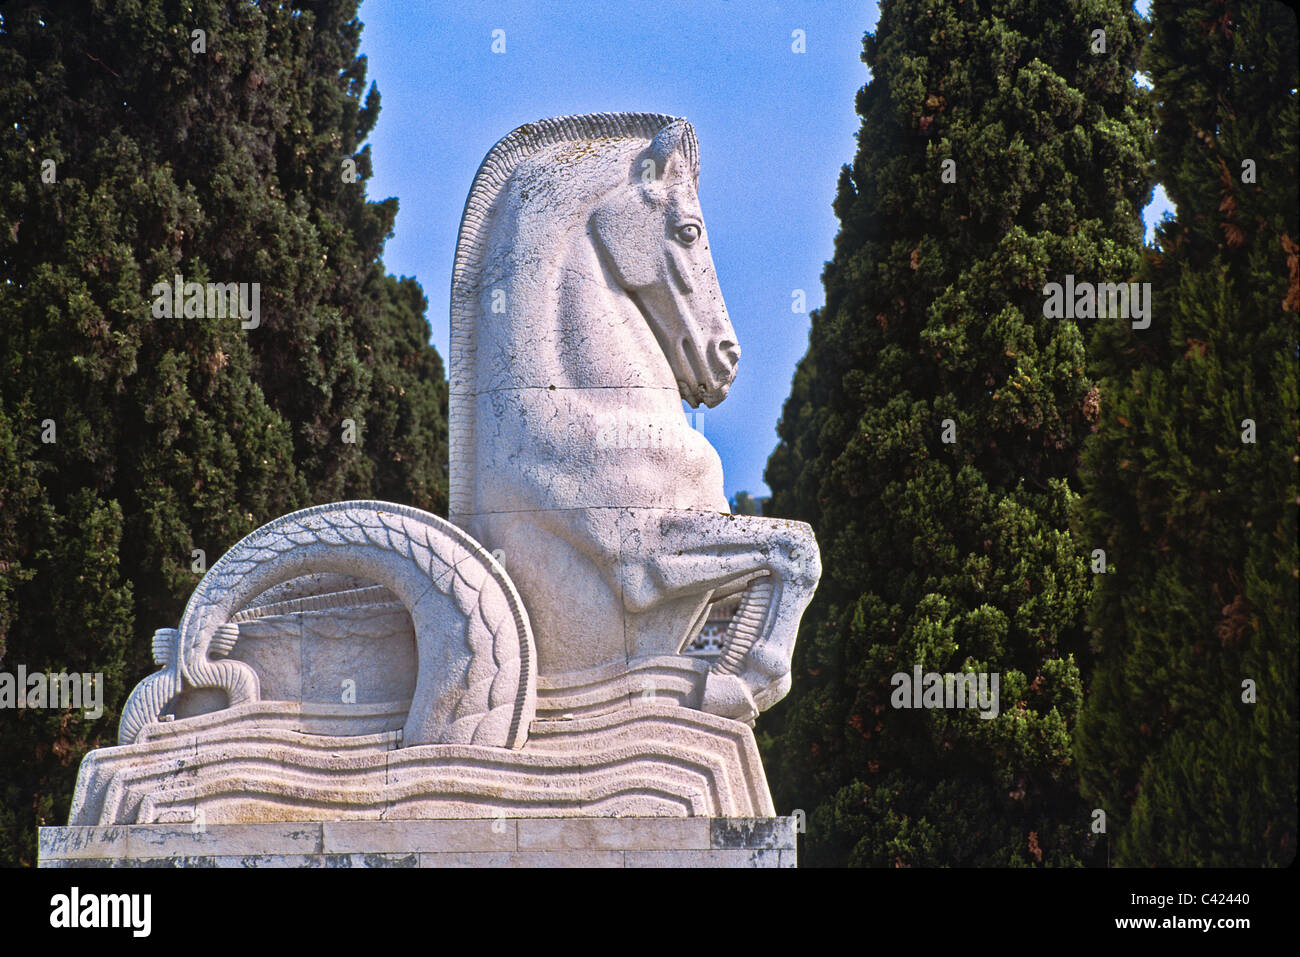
[(492, 176)]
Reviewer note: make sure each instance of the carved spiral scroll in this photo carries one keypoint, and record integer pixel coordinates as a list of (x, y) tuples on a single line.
[(477, 677)]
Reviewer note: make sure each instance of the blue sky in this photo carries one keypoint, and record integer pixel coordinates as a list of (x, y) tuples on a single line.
[(774, 128)]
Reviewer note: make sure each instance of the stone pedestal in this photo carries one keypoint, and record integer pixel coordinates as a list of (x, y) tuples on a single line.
[(520, 842)]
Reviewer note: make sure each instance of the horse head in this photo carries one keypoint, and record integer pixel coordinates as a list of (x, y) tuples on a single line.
[(649, 233)]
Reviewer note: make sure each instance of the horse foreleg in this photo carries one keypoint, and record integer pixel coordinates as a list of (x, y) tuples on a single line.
[(777, 564)]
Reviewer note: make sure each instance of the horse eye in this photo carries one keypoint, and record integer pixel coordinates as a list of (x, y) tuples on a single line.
[(688, 233)]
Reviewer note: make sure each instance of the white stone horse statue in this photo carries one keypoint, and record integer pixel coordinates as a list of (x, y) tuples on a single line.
[(584, 308), (366, 660)]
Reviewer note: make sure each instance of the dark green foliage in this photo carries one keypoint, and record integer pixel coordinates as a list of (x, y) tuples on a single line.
[(1199, 527), (955, 556), (175, 434), (406, 419)]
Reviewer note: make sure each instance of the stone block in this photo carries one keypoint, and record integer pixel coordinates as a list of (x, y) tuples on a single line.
[(513, 843)]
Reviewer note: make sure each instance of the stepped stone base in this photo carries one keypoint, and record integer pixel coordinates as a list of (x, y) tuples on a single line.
[(523, 842), (270, 761)]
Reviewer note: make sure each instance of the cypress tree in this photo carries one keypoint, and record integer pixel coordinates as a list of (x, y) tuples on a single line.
[(933, 432), (1188, 740), (220, 142)]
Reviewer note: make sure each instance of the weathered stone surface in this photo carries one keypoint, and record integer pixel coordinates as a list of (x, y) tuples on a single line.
[(441, 836), (141, 841), (252, 764), (755, 832), (614, 833), (522, 842)]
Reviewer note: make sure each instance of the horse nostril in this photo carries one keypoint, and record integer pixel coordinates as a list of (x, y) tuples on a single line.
[(729, 350)]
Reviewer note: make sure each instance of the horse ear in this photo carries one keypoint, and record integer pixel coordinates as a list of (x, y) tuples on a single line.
[(675, 152)]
